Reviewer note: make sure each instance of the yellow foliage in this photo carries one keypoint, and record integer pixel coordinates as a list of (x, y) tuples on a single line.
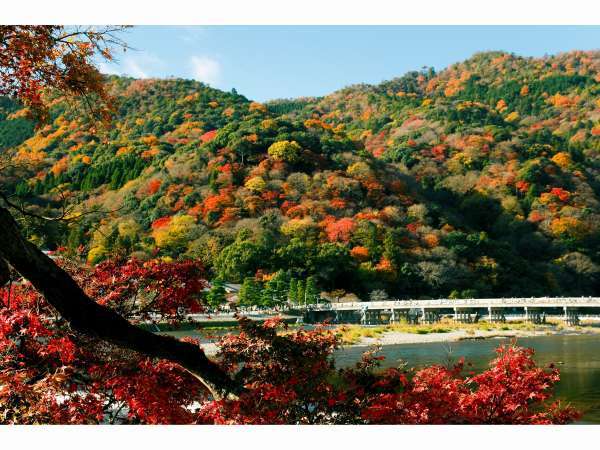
[(562, 159), (149, 140), (359, 169), (512, 116), (39, 141), (569, 226), (123, 151), (426, 102), (297, 227), (285, 151), (255, 106), (96, 254), (129, 228), (267, 123), (256, 184), (176, 233), (139, 122)]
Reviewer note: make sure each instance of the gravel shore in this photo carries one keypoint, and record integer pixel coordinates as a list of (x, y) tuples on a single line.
[(396, 337)]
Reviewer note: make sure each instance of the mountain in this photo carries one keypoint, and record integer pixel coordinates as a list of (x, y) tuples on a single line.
[(480, 180)]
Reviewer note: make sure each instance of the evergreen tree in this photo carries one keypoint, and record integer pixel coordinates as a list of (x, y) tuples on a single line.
[(278, 287), (250, 293), (293, 291), (216, 295), (312, 294), (301, 292), (281, 290), (267, 295)]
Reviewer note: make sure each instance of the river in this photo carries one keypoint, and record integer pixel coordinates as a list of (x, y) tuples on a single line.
[(577, 357)]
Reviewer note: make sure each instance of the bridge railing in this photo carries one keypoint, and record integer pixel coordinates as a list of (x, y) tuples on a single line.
[(464, 303)]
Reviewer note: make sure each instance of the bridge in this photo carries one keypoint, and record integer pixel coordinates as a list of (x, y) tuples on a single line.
[(536, 310)]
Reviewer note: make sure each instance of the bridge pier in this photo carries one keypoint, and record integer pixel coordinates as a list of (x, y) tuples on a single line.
[(571, 317), (466, 316), (430, 317), (495, 315)]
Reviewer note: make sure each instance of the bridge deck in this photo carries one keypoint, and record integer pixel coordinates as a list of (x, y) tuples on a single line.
[(545, 302)]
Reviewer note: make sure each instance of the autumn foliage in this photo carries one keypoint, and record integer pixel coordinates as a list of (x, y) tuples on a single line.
[(49, 374)]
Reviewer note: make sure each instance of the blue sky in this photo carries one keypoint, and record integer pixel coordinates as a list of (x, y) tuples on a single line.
[(267, 62)]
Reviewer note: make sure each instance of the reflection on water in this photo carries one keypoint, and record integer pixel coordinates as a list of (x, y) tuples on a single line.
[(578, 358)]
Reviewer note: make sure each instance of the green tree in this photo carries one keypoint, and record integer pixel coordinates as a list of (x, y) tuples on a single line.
[(216, 295), (301, 292), (293, 291), (240, 259), (311, 292), (250, 293)]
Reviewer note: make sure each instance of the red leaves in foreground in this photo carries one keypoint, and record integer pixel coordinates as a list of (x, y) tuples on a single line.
[(48, 374), (144, 290), (291, 379), (512, 391)]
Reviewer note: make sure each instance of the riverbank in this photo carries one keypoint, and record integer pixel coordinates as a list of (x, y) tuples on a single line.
[(445, 331), (451, 332)]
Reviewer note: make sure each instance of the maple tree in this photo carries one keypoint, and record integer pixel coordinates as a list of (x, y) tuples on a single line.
[(36, 58), (51, 374)]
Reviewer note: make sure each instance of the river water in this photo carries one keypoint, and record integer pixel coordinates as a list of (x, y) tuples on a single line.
[(577, 357)]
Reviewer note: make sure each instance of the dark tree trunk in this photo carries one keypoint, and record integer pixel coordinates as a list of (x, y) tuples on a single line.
[(88, 317)]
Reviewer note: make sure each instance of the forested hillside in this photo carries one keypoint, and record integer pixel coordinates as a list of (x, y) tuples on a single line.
[(480, 180)]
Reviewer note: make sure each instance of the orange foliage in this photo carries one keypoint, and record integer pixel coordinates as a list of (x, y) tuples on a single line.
[(218, 201), (535, 216), (360, 253), (569, 226), (208, 136), (147, 154), (153, 187), (161, 222), (431, 240), (123, 151), (338, 203), (522, 186), (255, 106), (563, 101), (385, 265), (340, 230), (60, 166)]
